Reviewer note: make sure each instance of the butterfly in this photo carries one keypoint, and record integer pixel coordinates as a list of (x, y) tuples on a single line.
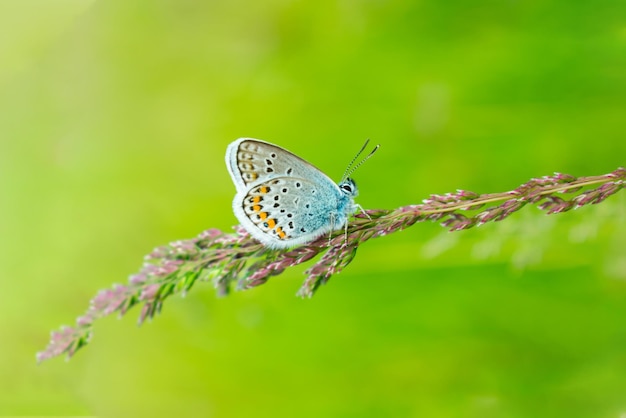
[(284, 201)]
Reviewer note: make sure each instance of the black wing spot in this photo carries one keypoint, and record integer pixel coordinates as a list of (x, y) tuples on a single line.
[(289, 171), (269, 170), (245, 156), (302, 230), (273, 155), (298, 184), (313, 191), (268, 161), (276, 205), (307, 205), (283, 211), (276, 197), (289, 215), (285, 190), (290, 225)]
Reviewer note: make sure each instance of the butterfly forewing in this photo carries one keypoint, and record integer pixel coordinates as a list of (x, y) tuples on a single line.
[(253, 161)]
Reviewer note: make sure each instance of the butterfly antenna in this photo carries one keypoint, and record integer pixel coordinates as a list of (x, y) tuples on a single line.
[(367, 157), (345, 173)]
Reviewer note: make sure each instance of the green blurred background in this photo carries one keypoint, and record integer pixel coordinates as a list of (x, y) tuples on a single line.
[(114, 119)]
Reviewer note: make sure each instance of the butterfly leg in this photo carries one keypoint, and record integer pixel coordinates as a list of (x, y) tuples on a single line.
[(332, 228), (359, 207)]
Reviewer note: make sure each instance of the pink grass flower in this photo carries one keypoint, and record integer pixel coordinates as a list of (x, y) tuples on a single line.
[(236, 259)]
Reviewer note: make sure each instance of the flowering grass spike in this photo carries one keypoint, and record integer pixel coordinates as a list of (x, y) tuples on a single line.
[(237, 260)]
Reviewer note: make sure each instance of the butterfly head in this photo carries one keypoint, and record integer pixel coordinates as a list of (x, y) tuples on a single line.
[(348, 187)]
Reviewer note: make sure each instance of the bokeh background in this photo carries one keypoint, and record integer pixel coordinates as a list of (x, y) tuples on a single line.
[(114, 119)]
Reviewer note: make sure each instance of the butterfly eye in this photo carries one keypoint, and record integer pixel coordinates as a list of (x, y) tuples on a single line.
[(348, 187)]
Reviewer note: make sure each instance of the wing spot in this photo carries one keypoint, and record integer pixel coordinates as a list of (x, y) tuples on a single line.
[(256, 208), (255, 199), (298, 184), (263, 189), (289, 171), (268, 161), (290, 215), (290, 225), (271, 223), (307, 205), (263, 216), (285, 190), (280, 233), (302, 230), (250, 146), (276, 197), (269, 170), (276, 205), (273, 155), (282, 211)]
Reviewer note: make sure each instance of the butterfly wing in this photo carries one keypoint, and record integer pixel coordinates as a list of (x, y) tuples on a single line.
[(281, 199), (252, 161), (287, 211)]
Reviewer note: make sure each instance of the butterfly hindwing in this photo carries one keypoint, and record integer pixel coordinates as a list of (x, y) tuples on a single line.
[(289, 210)]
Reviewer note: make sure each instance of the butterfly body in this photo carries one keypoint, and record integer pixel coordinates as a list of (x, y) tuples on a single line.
[(281, 199)]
